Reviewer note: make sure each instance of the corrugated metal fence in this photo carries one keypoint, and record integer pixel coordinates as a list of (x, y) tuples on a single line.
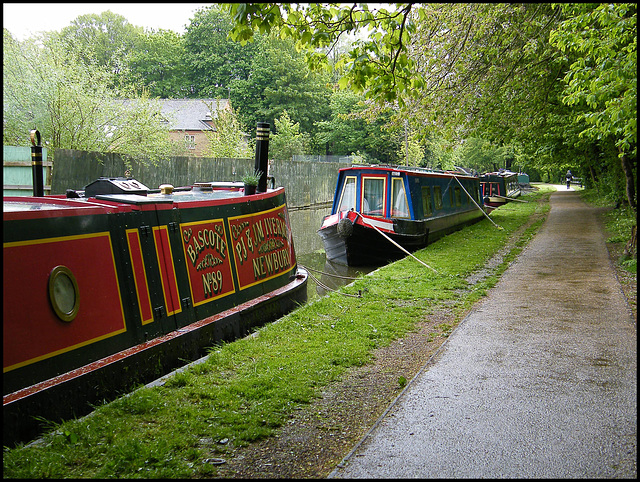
[(306, 183)]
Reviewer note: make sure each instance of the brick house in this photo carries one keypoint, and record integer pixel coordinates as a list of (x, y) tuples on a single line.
[(188, 120)]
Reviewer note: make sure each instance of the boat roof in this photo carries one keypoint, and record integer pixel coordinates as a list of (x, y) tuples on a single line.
[(210, 193), (501, 173), (408, 170)]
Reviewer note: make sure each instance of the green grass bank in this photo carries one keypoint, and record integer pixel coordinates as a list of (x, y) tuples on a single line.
[(245, 390)]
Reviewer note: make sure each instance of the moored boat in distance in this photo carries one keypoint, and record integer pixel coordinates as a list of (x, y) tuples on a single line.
[(380, 213), (116, 285), (499, 187)]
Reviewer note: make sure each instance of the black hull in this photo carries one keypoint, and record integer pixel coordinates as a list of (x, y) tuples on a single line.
[(367, 247), (65, 397)]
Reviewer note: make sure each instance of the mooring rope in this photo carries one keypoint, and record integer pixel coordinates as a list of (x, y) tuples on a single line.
[(322, 285), (396, 244), (329, 274), (477, 205), (511, 198)]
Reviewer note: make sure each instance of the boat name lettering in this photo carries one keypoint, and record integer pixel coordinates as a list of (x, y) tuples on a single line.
[(212, 283), (270, 245), (236, 231), (209, 261), (207, 257), (205, 238), (271, 263), (259, 236)]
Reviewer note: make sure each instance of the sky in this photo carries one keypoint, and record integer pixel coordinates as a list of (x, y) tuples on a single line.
[(26, 19)]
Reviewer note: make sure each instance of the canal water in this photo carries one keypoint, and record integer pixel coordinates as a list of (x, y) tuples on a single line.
[(310, 253)]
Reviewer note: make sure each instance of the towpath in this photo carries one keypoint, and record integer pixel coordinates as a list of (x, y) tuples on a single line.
[(539, 380)]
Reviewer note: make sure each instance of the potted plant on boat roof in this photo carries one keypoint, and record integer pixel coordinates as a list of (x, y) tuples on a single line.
[(251, 181)]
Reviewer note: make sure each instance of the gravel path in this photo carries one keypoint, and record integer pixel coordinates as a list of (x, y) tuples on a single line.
[(538, 381)]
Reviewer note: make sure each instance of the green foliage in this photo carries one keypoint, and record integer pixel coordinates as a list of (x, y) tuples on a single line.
[(288, 140), (212, 61), (488, 71), (71, 103), (411, 153), (102, 39), (603, 77), (351, 127), (379, 65), (156, 64), (228, 139), (474, 81), (279, 81), (252, 178)]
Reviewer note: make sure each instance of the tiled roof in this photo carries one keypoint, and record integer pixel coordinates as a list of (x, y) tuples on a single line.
[(189, 114)]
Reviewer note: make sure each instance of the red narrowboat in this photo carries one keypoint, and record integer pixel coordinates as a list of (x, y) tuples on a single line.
[(117, 285)]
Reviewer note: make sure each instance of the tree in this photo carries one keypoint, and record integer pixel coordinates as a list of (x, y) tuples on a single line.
[(228, 139), (157, 65), (603, 78), (48, 87), (214, 62), (411, 152), (484, 70), (104, 39), (350, 129), (378, 65), (288, 140), (22, 108)]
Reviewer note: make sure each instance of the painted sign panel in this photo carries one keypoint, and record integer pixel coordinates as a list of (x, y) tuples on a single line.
[(36, 331), (208, 260), (262, 246)]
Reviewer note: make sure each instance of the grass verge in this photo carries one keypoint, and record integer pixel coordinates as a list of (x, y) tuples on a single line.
[(245, 390), (618, 223)]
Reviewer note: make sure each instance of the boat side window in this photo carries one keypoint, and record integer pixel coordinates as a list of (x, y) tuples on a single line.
[(427, 210), (348, 199), (474, 194), (457, 194), (437, 195), (400, 208), (373, 196)]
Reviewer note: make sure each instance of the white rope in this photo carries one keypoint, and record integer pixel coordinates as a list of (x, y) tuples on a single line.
[(511, 198), (392, 241)]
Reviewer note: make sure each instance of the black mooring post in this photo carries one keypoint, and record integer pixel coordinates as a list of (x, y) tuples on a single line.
[(262, 154), (36, 164)]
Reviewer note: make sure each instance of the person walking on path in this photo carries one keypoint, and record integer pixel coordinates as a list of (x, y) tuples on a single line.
[(538, 381), (568, 178)]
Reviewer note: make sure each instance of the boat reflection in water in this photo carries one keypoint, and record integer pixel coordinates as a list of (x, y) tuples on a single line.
[(327, 276)]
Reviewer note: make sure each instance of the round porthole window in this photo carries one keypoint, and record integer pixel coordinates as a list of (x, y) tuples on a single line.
[(63, 293)]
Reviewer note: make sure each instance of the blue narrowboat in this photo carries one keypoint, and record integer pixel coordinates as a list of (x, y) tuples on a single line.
[(499, 187), (380, 213)]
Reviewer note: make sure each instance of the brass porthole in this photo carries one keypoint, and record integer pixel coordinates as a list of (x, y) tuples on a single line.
[(63, 293)]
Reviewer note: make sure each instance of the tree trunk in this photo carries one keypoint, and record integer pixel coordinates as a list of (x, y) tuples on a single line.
[(627, 168)]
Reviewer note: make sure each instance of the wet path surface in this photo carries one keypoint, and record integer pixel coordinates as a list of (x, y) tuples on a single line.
[(538, 381)]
